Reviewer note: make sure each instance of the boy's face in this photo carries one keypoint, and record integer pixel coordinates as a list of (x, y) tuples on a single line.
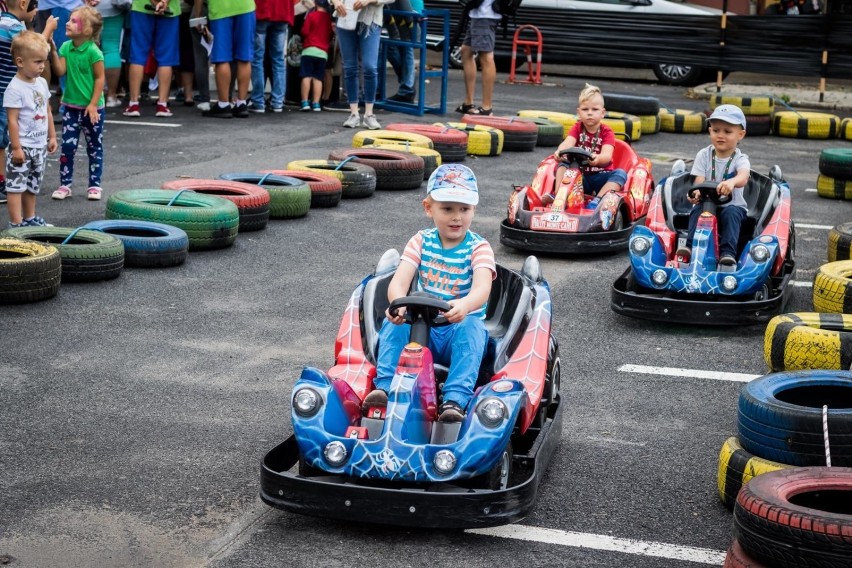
[(451, 219), (591, 111), (31, 64), (725, 136)]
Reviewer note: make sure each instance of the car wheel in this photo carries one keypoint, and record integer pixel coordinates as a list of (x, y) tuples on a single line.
[(618, 224), (680, 75)]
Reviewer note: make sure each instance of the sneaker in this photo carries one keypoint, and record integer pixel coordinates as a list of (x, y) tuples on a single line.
[(180, 96), (683, 255), (255, 108), (728, 260), (163, 110), (241, 111), (277, 109), (354, 121), (219, 112), (305, 106), (316, 107), (35, 222), (593, 204), (397, 98), (16, 225), (340, 106), (370, 122), (132, 110), (376, 399), (450, 412), (113, 102), (62, 192), (203, 106), (93, 194)]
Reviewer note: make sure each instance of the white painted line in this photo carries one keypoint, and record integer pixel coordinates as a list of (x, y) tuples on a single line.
[(810, 226), (603, 542), (810, 190), (692, 373), (137, 123), (802, 284)]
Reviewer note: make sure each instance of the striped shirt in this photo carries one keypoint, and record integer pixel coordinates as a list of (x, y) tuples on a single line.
[(10, 26), (448, 274)]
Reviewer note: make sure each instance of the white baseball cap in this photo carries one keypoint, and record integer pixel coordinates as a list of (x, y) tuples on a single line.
[(453, 182), (731, 114)]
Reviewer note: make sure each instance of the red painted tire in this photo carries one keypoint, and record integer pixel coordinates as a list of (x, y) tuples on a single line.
[(252, 201), (519, 135), (326, 190), (737, 558), (451, 143), (394, 170), (796, 518)]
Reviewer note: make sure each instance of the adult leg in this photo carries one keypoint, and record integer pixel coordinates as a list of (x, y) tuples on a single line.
[(202, 67), (164, 77), (469, 66), (277, 50), (258, 79), (349, 50), (223, 80), (135, 74), (369, 41), (489, 75), (243, 79)]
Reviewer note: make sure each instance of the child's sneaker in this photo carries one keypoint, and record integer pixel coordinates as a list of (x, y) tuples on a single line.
[(163, 110), (376, 400), (354, 121), (316, 107), (728, 260), (277, 109), (306, 105), (113, 102), (450, 412), (35, 222), (132, 110), (371, 123), (62, 192), (94, 194), (683, 255)]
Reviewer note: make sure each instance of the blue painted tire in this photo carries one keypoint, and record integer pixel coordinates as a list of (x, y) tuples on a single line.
[(780, 417), (147, 244)]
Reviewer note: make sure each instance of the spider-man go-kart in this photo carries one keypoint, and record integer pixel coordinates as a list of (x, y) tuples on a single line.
[(402, 466), (569, 222), (659, 286)]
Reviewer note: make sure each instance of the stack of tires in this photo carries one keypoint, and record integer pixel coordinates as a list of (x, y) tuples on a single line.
[(757, 110), (449, 142), (835, 173), (803, 124), (519, 134), (645, 110), (789, 509)]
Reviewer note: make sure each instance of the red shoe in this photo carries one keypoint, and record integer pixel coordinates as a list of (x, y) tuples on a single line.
[(132, 110), (163, 110)]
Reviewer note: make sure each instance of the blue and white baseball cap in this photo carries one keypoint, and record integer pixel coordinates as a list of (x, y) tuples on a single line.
[(731, 114), (453, 182)]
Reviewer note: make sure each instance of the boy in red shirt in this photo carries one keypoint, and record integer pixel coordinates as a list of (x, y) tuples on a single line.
[(316, 38)]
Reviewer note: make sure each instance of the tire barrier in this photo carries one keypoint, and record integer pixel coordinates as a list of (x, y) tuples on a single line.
[(289, 198), (736, 557), (366, 137), (808, 340), (519, 135), (758, 125), (252, 201), (736, 468), (682, 121), (632, 104), (650, 123), (833, 287), (780, 417), (29, 271), (394, 170), (359, 180), (549, 132), (482, 140), (565, 119), (431, 158), (840, 242), (832, 188), (146, 244), (757, 106), (449, 142), (796, 518), (624, 124), (326, 189), (210, 222), (88, 256), (845, 129), (810, 125), (836, 163)]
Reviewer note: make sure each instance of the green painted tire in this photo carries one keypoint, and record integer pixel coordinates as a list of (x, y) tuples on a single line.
[(289, 197), (836, 163), (29, 271)]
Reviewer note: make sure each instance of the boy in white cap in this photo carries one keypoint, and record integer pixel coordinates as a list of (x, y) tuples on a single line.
[(722, 163), (455, 265)]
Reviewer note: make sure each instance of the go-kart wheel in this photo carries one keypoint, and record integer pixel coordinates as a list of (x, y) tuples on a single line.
[(618, 224), (762, 294), (498, 477), (307, 470), (707, 192)]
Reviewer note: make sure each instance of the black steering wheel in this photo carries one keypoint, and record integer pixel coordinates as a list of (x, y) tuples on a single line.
[(707, 192), (579, 155), (420, 306)]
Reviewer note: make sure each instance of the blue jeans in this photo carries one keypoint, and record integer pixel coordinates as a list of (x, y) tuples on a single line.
[(277, 33), (402, 61), (729, 220), (363, 41), (460, 346)]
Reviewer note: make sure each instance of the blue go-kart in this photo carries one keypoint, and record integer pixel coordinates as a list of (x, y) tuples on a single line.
[(401, 466), (657, 286)]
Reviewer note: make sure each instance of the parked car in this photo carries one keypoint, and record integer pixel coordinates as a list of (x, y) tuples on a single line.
[(559, 51)]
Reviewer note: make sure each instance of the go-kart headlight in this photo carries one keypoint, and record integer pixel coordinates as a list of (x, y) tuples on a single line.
[(640, 245), (335, 453), (491, 412), (759, 253), (729, 283), (659, 277), (444, 461), (306, 402)]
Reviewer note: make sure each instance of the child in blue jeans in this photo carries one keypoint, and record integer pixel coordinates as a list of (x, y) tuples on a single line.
[(456, 265)]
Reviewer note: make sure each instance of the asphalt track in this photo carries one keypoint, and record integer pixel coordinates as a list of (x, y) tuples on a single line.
[(134, 413)]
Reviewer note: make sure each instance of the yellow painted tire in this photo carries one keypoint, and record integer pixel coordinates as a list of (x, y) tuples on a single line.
[(623, 123), (683, 121), (650, 123), (29, 271), (563, 118), (365, 137), (431, 158), (845, 129), (833, 288), (737, 467), (481, 140), (759, 106), (833, 188), (811, 125), (808, 340), (840, 243)]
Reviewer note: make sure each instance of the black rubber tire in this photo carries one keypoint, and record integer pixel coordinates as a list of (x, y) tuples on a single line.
[(650, 123), (833, 287), (89, 256), (679, 75), (251, 200), (549, 132), (797, 518), (481, 140), (210, 222), (519, 134), (29, 271), (758, 125), (565, 119), (451, 143), (840, 242), (836, 163), (810, 125), (780, 417), (500, 475), (736, 468), (631, 104), (806, 340), (682, 121), (394, 170), (431, 158), (289, 198), (146, 244), (359, 180), (845, 129), (326, 189), (833, 188)]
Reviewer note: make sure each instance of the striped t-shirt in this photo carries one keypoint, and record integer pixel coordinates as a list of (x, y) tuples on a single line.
[(448, 273), (10, 27)]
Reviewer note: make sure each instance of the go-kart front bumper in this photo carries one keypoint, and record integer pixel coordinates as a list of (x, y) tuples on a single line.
[(438, 505), (563, 243)]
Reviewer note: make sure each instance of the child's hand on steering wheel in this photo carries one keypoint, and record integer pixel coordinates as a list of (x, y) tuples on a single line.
[(398, 319), (459, 311)]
